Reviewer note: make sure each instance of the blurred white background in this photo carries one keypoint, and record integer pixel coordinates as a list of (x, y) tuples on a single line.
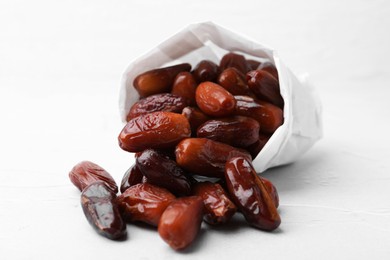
[(60, 68)]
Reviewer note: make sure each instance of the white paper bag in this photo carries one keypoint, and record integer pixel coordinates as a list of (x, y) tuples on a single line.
[(302, 109)]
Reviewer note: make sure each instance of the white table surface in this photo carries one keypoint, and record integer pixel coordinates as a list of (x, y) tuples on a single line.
[(60, 67)]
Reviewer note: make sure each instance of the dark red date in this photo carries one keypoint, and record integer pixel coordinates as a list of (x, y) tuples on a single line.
[(214, 100), (218, 208), (206, 157), (265, 86), (159, 102), (250, 194), (100, 209), (86, 172), (234, 60), (238, 131), (185, 85), (144, 202), (180, 223), (132, 177), (234, 82), (160, 170), (157, 130), (206, 70), (269, 116), (158, 80)]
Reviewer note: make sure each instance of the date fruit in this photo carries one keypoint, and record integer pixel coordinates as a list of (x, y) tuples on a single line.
[(234, 81), (160, 170), (218, 208), (269, 67), (132, 177), (185, 85), (195, 117), (144, 202), (254, 149), (159, 102), (206, 157), (214, 100), (271, 190), (158, 80), (238, 131), (234, 60), (206, 70), (265, 86), (180, 223), (86, 172), (269, 116), (100, 209), (154, 130), (250, 194)]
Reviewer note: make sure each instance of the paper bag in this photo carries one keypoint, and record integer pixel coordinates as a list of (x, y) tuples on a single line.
[(302, 125)]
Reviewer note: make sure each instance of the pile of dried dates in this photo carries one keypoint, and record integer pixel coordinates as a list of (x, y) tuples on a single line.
[(194, 135)]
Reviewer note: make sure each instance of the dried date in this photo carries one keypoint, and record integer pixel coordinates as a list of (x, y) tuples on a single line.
[(100, 208)]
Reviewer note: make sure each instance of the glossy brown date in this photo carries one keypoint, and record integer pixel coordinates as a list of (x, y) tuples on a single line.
[(238, 131), (184, 86), (206, 157), (132, 177), (86, 172), (234, 82), (250, 194), (195, 117), (144, 202), (269, 67), (158, 80), (269, 116), (206, 70), (253, 64), (273, 192), (254, 149), (265, 86), (214, 100), (154, 130), (180, 223), (100, 209), (159, 102), (218, 208), (160, 170), (234, 60)]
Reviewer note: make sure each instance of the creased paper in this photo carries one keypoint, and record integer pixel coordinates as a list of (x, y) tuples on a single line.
[(302, 110)]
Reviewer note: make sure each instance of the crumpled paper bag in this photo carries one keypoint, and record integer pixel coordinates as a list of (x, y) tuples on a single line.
[(302, 110)]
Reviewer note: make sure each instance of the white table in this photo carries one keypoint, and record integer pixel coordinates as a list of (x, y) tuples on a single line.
[(60, 67)]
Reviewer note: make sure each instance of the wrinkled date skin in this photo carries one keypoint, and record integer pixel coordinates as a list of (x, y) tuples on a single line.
[(250, 195), (269, 116), (86, 172), (206, 157), (218, 208), (144, 202), (160, 170), (238, 131), (234, 81), (158, 80), (159, 102), (265, 86), (100, 208), (214, 100), (206, 70), (234, 60), (132, 177), (195, 117), (154, 130), (185, 85), (180, 223)]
